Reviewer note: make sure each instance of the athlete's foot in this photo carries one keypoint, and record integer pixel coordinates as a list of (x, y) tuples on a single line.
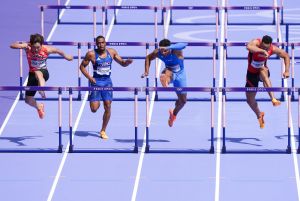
[(261, 120), (172, 118), (103, 135), (41, 111), (275, 102), (43, 95)]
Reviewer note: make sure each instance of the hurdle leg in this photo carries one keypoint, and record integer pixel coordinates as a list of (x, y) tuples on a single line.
[(60, 146), (147, 121), (136, 121), (223, 120), (212, 110), (71, 146), (289, 150)]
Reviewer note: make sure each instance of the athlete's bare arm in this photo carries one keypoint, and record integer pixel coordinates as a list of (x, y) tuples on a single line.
[(90, 56), (253, 46), (19, 45), (118, 59), (148, 60), (54, 50), (285, 56), (178, 53)]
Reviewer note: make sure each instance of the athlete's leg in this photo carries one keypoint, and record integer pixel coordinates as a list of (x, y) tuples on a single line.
[(264, 76), (41, 82), (107, 114), (252, 80), (254, 106), (166, 77)]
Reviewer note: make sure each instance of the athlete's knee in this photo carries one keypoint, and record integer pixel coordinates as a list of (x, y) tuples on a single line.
[(94, 108), (164, 80), (107, 107)]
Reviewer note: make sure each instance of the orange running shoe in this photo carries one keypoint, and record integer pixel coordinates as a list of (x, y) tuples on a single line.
[(41, 111), (103, 135), (275, 102), (172, 118), (261, 120)]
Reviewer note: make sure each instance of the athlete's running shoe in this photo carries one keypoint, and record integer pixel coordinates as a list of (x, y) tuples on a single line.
[(261, 120), (172, 118), (275, 102), (41, 111), (103, 135)]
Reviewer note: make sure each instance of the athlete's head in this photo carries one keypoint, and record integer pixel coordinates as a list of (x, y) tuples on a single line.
[(163, 44), (266, 42), (36, 42), (101, 43)]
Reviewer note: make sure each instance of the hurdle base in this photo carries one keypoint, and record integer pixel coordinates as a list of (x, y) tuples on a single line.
[(29, 151), (284, 151), (180, 151), (104, 151), (60, 149), (224, 150), (288, 150), (136, 149), (147, 148), (212, 150), (71, 148)]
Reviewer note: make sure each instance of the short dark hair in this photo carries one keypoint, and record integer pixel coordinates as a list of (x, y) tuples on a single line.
[(100, 36), (267, 39), (164, 43), (36, 38)]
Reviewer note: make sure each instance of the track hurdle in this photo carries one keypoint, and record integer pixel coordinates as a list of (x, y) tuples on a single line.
[(254, 89), (174, 89), (113, 150), (39, 150)]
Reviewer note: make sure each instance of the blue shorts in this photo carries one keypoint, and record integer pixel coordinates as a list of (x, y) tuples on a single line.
[(101, 95), (179, 80)]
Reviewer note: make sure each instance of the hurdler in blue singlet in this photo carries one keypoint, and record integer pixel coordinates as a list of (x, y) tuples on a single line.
[(102, 72), (174, 64)]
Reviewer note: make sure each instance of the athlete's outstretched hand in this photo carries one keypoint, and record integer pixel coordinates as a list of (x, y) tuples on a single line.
[(286, 74)]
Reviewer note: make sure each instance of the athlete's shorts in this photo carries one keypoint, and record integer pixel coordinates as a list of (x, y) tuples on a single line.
[(253, 79), (179, 80), (101, 95), (33, 81)]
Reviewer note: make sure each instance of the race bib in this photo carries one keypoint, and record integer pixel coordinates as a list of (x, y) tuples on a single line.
[(175, 68), (103, 71), (39, 63), (258, 64)]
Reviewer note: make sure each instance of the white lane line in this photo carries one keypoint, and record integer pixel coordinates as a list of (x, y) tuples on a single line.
[(219, 129), (62, 163), (18, 95), (293, 143), (141, 159)]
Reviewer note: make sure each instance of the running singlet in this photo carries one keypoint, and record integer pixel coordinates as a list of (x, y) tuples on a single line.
[(258, 60), (172, 62), (38, 60), (102, 66)]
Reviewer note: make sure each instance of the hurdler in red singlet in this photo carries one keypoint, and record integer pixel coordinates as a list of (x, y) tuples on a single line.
[(259, 52), (37, 55)]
